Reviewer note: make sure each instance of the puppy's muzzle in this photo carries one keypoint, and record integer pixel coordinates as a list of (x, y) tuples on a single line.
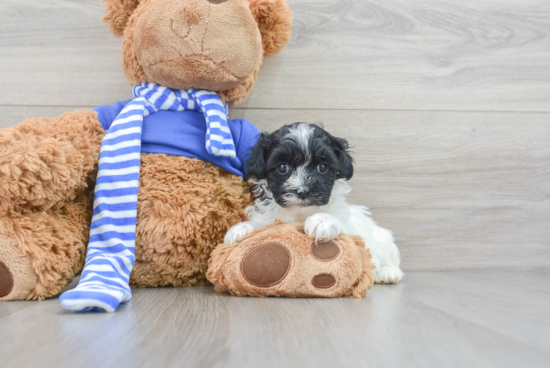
[(303, 192)]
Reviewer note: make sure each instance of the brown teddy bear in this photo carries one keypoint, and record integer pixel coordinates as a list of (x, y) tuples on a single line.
[(188, 60), (281, 260)]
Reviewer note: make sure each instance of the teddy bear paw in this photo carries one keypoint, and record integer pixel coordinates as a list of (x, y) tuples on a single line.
[(282, 260)]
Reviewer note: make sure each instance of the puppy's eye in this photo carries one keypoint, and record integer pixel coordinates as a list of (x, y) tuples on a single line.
[(282, 168), (322, 168)]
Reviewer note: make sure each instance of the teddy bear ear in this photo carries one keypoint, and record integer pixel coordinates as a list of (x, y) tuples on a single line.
[(274, 19), (117, 14)]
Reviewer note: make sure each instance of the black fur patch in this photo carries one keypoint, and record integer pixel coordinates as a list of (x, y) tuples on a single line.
[(281, 146)]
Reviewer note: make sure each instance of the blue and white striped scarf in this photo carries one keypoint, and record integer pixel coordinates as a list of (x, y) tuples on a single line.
[(104, 283)]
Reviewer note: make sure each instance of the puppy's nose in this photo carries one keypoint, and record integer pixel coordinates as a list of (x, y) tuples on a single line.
[(303, 192)]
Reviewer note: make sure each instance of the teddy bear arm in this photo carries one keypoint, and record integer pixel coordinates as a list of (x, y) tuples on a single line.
[(45, 162)]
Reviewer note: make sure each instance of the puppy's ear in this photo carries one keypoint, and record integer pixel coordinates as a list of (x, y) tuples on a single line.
[(117, 14), (274, 19), (255, 165), (341, 147)]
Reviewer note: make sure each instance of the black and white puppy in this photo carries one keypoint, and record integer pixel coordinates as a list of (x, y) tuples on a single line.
[(300, 174)]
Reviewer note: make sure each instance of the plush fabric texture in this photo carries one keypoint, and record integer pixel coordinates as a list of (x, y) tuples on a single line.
[(194, 43), (44, 250), (274, 19), (186, 210), (47, 170), (224, 56), (104, 283), (45, 162), (117, 13), (258, 266), (17, 277), (212, 46)]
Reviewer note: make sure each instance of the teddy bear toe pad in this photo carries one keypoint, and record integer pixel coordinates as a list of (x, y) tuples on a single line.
[(6, 280), (323, 281), (266, 265), (325, 251)]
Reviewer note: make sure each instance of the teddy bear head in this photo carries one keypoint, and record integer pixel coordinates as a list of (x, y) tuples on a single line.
[(216, 45)]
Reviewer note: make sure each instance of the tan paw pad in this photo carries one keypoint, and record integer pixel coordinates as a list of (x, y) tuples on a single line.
[(266, 265), (323, 281), (6, 280), (325, 251)]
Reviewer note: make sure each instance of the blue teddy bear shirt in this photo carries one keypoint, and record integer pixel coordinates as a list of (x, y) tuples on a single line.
[(182, 133)]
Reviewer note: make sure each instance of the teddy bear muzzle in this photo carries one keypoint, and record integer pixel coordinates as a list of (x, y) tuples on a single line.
[(213, 45)]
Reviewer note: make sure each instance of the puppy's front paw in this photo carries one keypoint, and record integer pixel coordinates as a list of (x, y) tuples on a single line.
[(237, 232), (388, 275), (323, 226)]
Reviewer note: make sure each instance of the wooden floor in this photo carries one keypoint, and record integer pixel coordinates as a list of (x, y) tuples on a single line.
[(495, 318), (447, 106)]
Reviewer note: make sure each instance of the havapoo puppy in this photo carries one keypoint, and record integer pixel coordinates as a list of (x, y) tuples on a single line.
[(300, 174)]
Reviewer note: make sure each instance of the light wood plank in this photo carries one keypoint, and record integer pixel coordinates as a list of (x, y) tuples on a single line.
[(459, 190), (344, 54), (399, 54), (12, 115), (446, 319)]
